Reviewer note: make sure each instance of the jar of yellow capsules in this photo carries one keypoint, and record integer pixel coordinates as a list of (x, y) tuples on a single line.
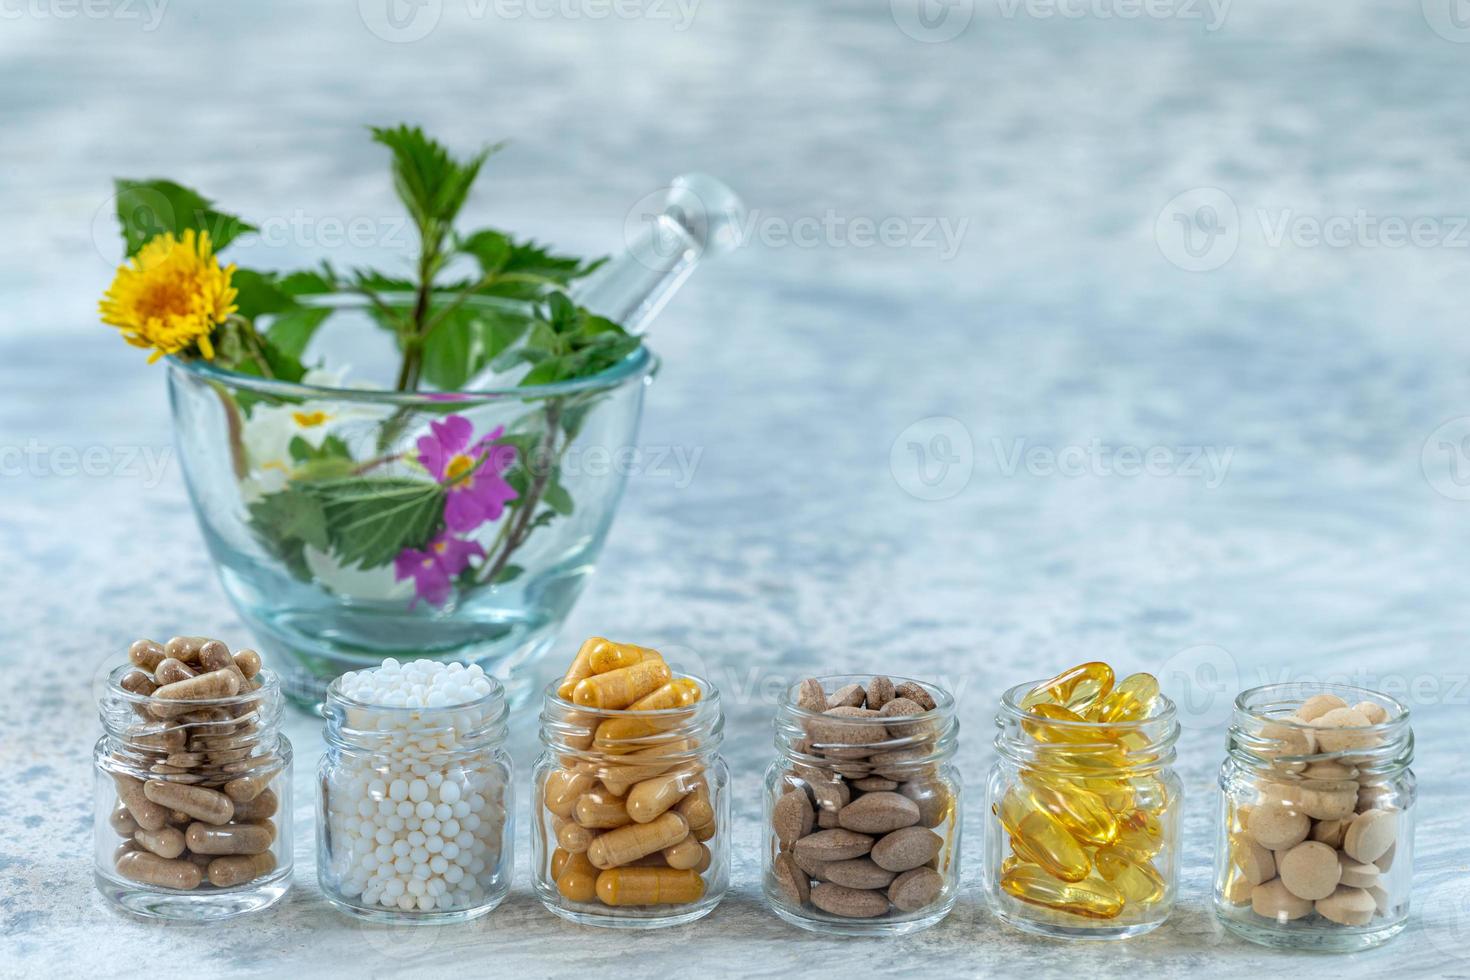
[(630, 799), (1316, 828), (1082, 834)]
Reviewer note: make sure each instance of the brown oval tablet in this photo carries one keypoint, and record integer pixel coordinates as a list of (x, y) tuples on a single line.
[(915, 693), (850, 903), (846, 728), (916, 889), (847, 696), (790, 879), (932, 798), (792, 817), (1271, 900), (911, 847), (810, 696), (880, 692), (874, 784), (837, 844), (858, 873), (879, 813)]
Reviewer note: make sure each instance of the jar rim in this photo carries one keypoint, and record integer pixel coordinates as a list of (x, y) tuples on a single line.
[(1011, 703), (335, 695), (1248, 703), (270, 684), (944, 702), (709, 695)]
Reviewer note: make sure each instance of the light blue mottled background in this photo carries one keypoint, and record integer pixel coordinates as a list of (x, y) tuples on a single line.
[(1327, 540)]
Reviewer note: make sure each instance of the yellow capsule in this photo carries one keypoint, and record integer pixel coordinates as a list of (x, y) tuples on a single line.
[(1093, 759), (649, 886), (1080, 811), (1131, 700), (581, 667), (616, 689), (1140, 882), (616, 656), (1040, 837), (617, 735), (1056, 734), (1073, 688), (1092, 899), (1139, 837)]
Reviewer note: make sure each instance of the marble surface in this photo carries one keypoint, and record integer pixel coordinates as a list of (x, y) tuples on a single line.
[(1302, 515)]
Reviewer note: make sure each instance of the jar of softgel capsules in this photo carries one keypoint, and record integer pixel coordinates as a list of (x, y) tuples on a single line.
[(414, 814)]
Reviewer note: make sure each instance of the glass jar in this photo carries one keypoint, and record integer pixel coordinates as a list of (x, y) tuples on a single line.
[(1316, 822), (414, 818), (826, 767), (1082, 828), (631, 813), (192, 802)]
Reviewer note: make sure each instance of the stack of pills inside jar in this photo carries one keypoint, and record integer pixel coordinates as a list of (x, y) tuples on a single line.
[(629, 793), (415, 789), (1086, 808), (1317, 795), (197, 771)]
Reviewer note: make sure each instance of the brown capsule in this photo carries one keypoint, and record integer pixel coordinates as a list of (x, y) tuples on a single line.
[(154, 870), (203, 860), (215, 655), (248, 663), (234, 838), (166, 843), (270, 827), (185, 648), (238, 869), (147, 814), (161, 735), (122, 821), (146, 654), (137, 682), (259, 808), (171, 671), (183, 760), (200, 802), (128, 846), (174, 699), (247, 788)]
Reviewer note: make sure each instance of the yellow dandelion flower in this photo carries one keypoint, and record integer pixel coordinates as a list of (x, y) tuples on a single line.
[(172, 296)]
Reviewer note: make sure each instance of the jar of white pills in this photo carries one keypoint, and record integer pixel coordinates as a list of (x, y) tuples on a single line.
[(1316, 825), (414, 815)]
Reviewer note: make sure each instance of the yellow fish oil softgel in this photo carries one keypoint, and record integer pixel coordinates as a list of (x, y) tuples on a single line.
[(630, 819), (1084, 806)]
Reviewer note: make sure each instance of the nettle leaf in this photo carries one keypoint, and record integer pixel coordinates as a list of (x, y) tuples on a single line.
[(508, 574), (149, 208), (556, 496), (499, 253), (291, 515), (466, 341), (431, 183), (371, 519), (259, 293)]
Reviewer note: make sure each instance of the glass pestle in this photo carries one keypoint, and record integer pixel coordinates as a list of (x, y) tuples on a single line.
[(668, 234)]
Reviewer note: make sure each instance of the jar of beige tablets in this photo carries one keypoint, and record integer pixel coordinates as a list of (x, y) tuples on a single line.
[(630, 808), (862, 806), (193, 787), (1316, 833), (414, 810)]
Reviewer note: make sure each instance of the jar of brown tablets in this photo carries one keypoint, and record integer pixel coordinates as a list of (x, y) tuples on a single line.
[(192, 796), (1316, 826)]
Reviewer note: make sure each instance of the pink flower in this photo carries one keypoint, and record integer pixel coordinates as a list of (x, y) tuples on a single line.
[(477, 491), (433, 569)]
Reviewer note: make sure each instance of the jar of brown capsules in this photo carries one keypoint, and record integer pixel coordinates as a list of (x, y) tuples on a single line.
[(193, 783)]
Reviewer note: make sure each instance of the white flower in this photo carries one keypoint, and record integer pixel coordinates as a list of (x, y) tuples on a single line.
[(269, 431)]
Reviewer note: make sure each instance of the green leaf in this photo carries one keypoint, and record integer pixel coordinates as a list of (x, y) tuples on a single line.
[(508, 574), (431, 183), (292, 514), (491, 249), (148, 208), (306, 283), (556, 496), (259, 294), (371, 519), (291, 332), (466, 341)]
